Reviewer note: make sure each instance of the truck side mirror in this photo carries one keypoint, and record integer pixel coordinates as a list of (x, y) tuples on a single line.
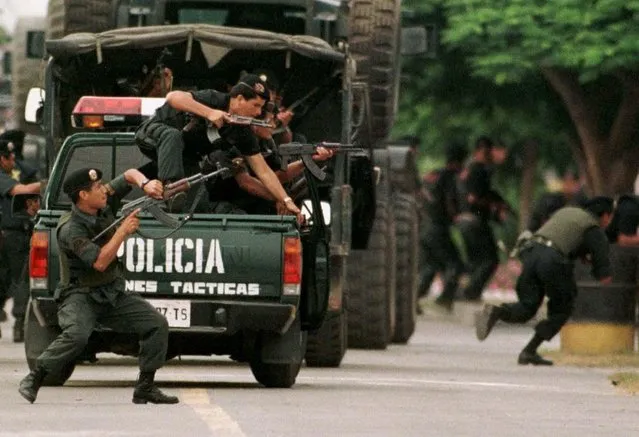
[(419, 40), (6, 64), (35, 44), (33, 106)]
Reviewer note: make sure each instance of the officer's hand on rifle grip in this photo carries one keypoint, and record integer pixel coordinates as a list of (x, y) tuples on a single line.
[(217, 117), (322, 154), (154, 189), (130, 224)]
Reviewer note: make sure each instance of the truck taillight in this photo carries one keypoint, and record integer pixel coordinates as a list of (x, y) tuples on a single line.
[(39, 260), (292, 268)]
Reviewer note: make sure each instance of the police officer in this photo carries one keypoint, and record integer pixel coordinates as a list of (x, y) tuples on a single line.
[(547, 270), (169, 134), (91, 288), (16, 232), (477, 202), (623, 231), (439, 254)]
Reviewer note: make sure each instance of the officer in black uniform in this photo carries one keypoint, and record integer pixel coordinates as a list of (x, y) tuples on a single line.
[(623, 232), (91, 288), (16, 232), (171, 134), (477, 202), (439, 253), (548, 270)]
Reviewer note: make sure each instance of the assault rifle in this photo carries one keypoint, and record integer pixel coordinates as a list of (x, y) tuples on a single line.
[(152, 205), (239, 120), (306, 152)]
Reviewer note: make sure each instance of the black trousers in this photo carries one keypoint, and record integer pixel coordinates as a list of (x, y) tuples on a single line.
[(545, 272), (14, 257), (78, 315), (164, 145), (482, 252), (439, 255)]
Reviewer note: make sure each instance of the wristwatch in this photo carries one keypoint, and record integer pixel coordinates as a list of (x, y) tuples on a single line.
[(144, 182)]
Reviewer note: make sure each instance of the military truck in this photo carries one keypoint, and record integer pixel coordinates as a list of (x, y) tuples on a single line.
[(245, 286), (379, 287)]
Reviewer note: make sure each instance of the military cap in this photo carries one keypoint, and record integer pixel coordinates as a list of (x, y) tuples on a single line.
[(456, 152), (483, 142), (255, 82), (81, 179), (6, 147)]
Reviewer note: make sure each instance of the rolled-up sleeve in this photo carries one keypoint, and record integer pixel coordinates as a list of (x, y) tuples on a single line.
[(76, 240)]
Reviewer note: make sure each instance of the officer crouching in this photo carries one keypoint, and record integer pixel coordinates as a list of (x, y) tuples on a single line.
[(548, 258), (92, 288)]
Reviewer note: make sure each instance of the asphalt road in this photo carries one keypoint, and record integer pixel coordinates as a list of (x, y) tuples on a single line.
[(443, 383)]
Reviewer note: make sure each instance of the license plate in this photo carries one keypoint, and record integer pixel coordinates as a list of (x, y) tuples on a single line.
[(177, 312)]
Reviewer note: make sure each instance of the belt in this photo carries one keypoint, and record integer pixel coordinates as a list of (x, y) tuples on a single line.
[(546, 242)]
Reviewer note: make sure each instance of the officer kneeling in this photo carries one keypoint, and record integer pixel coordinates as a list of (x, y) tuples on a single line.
[(547, 269), (92, 288)]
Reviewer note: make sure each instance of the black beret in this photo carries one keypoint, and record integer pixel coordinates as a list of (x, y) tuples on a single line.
[(6, 147), (255, 82), (81, 179), (483, 142), (14, 135), (269, 78)]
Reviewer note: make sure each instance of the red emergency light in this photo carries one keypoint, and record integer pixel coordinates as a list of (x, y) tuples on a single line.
[(96, 112)]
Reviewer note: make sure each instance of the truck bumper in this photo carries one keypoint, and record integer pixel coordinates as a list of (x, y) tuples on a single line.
[(221, 317)]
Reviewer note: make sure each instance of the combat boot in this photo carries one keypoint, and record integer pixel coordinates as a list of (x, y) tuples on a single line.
[(146, 391), (533, 358), (18, 331), (31, 383), (485, 321)]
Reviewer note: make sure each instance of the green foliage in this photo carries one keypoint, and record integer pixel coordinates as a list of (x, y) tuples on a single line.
[(510, 39), (5, 38)]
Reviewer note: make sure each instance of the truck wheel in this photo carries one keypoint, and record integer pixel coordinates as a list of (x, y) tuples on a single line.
[(374, 31), (71, 16), (370, 322), (36, 339), (277, 359), (407, 234), (26, 73), (327, 345)]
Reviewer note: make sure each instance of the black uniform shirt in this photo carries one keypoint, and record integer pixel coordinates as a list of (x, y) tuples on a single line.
[(475, 180), (22, 174), (442, 200), (595, 243), (628, 215)]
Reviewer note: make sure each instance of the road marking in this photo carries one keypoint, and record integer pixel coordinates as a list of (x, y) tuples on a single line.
[(213, 415)]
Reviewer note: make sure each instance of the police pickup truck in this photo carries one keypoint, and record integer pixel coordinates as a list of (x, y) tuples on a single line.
[(246, 286)]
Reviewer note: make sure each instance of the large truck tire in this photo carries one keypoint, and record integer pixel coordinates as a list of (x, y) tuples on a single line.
[(26, 73), (72, 16), (370, 299), (374, 31), (277, 359), (36, 339), (327, 345), (406, 234)]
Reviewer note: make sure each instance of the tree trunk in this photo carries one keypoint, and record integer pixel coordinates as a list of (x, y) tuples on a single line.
[(610, 160), (527, 182)]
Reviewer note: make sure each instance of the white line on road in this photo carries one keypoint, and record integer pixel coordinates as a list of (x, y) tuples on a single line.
[(220, 423)]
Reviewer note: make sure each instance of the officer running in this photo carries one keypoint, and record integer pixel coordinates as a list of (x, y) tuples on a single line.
[(547, 269), (91, 288), (439, 253)]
